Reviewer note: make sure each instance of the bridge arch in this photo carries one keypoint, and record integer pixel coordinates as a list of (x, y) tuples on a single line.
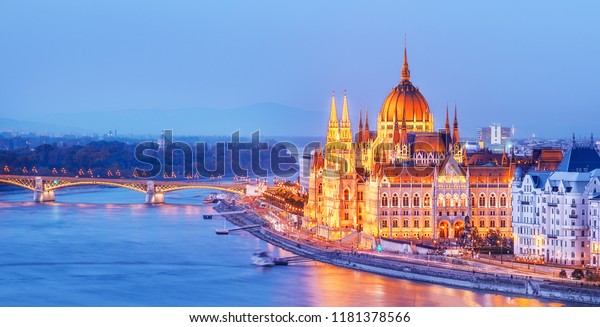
[(139, 187), (19, 183), (44, 186)]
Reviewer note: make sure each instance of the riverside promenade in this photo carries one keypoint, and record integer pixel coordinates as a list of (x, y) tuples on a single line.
[(440, 270)]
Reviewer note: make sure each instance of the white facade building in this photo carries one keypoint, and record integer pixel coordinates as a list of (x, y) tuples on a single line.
[(556, 214)]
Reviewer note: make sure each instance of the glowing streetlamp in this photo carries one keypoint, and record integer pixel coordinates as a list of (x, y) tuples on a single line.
[(501, 249)]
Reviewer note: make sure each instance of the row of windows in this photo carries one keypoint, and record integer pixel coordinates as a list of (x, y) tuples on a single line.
[(442, 201), (416, 223), (405, 223), (440, 213), (491, 201), (552, 200), (416, 200), (558, 254)]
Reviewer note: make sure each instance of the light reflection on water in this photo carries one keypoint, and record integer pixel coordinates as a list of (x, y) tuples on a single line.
[(104, 247)]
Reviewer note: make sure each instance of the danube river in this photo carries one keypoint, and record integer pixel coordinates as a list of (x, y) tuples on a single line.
[(103, 247)]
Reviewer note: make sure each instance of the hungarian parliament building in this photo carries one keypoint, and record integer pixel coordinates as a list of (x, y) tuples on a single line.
[(406, 181)]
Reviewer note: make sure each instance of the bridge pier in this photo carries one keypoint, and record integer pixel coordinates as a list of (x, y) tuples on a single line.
[(43, 196), (40, 194), (153, 197)]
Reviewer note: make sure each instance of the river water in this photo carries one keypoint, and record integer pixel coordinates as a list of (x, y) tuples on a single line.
[(99, 246)]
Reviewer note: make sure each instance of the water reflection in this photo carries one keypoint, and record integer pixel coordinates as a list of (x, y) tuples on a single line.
[(105, 247), (334, 286)]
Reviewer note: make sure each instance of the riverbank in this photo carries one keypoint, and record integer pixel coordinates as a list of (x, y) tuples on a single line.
[(457, 273)]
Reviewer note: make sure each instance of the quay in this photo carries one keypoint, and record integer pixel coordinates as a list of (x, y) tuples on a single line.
[(458, 273), (226, 231)]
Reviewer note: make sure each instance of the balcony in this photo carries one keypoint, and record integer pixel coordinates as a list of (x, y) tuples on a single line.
[(551, 204), (525, 202), (573, 216), (573, 205)]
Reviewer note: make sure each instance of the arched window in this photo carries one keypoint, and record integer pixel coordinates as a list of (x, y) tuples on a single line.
[(395, 200), (426, 200), (503, 200), (441, 201), (482, 200), (320, 191), (472, 200), (384, 200), (346, 195), (405, 200), (384, 223), (416, 200), (492, 200), (395, 223)]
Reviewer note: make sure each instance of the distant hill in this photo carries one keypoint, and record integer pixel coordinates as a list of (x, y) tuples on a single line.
[(39, 127), (270, 118)]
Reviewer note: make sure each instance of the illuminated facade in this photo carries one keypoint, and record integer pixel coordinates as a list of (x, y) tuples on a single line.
[(556, 214), (405, 180)]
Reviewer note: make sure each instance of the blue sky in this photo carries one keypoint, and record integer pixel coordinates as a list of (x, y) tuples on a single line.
[(531, 64)]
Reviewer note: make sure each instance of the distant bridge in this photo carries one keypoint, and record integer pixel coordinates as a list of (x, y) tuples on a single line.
[(43, 187)]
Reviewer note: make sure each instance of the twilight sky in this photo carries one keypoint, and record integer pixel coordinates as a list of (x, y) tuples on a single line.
[(534, 65)]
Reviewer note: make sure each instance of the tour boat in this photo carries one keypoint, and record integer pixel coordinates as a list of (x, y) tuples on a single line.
[(262, 259), (211, 198), (223, 231)]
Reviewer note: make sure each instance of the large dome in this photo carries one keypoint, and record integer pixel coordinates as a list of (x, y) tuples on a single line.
[(406, 102)]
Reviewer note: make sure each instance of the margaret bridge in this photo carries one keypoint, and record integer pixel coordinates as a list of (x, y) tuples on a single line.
[(43, 187)]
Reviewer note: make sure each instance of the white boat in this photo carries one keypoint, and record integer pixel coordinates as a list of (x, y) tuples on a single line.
[(262, 259), (211, 198), (223, 231)]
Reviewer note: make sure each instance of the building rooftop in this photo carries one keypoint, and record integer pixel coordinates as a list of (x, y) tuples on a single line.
[(580, 159)]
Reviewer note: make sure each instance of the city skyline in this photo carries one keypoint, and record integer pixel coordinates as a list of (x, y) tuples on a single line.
[(509, 63)]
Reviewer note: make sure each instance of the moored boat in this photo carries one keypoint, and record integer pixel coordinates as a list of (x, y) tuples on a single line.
[(262, 259)]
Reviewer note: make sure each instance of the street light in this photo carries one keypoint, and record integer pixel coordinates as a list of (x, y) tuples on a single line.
[(501, 250)]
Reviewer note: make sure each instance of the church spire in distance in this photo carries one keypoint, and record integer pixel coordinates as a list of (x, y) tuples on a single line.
[(360, 128), (447, 126), (403, 133), (396, 134), (405, 74), (366, 131), (455, 137)]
